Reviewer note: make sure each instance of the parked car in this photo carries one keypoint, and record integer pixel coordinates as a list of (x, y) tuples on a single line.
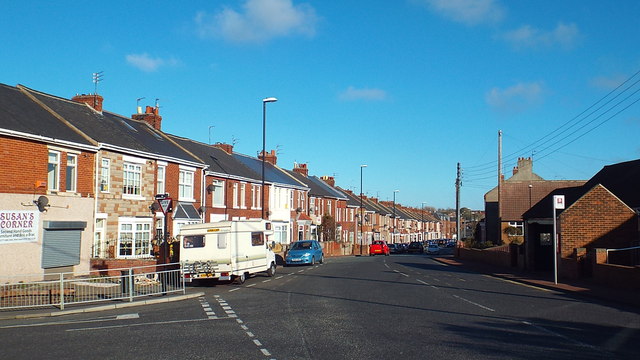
[(415, 247), (433, 249), (304, 252), (379, 247), (451, 244), (395, 249)]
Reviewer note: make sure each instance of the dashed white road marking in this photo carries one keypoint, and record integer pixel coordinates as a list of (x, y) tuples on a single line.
[(473, 303)]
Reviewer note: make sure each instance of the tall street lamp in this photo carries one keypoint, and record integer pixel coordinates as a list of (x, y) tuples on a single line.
[(394, 215), (361, 217), (422, 214), (264, 125)]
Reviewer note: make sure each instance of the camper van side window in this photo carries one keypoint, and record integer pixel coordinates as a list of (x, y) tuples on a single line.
[(257, 239), (222, 241), (193, 241)]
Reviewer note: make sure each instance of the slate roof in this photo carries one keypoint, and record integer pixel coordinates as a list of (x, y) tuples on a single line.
[(272, 174), (621, 179), (114, 130), (315, 189), (331, 192), (352, 199), (219, 161), (19, 113)]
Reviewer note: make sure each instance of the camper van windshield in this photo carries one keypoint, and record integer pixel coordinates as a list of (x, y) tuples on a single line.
[(193, 241)]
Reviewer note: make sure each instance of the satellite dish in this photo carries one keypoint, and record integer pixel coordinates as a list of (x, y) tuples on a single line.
[(42, 203)]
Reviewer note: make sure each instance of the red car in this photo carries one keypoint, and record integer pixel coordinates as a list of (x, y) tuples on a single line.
[(379, 247)]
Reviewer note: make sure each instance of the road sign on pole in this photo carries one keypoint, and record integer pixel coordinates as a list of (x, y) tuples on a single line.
[(165, 205), (558, 203)]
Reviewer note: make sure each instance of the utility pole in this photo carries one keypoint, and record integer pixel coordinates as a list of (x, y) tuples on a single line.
[(458, 184), (499, 176)]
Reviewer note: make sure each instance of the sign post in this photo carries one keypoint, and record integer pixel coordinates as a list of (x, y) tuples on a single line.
[(558, 203), (166, 204)]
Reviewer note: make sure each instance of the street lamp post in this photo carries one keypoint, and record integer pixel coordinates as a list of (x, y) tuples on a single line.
[(361, 217), (264, 138), (422, 218), (394, 215)]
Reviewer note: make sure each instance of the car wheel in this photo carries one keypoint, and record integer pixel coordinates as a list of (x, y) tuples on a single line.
[(321, 259), (313, 260), (240, 279), (272, 270)]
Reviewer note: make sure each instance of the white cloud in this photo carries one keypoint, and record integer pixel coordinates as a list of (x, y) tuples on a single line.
[(353, 94), (564, 35), (146, 63), (469, 12), (515, 98), (259, 21)]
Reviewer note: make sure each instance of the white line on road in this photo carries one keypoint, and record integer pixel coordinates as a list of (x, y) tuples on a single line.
[(257, 342), (264, 281), (560, 335), (103, 319), (422, 282), (473, 303), (251, 285), (519, 283), (279, 277), (265, 352), (235, 289)]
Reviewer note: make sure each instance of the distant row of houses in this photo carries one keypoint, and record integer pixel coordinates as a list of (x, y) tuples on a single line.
[(79, 186)]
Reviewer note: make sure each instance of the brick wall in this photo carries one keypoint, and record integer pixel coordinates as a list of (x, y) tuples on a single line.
[(24, 162), (598, 219)]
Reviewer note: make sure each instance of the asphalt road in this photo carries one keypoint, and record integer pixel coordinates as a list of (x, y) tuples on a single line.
[(383, 307)]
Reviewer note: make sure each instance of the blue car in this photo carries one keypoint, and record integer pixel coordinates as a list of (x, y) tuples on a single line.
[(304, 252)]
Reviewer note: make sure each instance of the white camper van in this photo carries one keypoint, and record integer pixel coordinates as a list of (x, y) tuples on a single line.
[(226, 250)]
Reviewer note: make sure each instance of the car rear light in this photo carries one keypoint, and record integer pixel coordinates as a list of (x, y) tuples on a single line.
[(225, 274), (187, 276)]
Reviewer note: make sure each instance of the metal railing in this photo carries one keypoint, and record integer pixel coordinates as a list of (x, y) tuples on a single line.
[(96, 286)]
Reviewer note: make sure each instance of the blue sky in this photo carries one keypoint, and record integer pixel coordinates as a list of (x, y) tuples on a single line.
[(408, 87)]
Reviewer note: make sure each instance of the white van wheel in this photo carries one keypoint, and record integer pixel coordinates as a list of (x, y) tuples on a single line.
[(272, 270), (241, 278)]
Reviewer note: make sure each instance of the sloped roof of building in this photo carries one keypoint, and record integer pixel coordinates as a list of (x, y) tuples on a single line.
[(272, 174), (352, 199), (620, 179), (21, 116), (315, 189), (116, 131), (219, 161), (518, 197)]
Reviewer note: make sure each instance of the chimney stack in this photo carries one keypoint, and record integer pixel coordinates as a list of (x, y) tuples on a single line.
[(271, 157), (93, 100), (301, 169), (330, 180), (151, 116), (228, 148)]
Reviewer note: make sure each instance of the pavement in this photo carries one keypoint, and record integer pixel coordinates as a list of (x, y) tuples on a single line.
[(585, 289), (578, 288), (32, 313)]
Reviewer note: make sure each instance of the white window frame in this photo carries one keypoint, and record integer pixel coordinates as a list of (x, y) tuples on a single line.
[(99, 236), (255, 196), (139, 227), (71, 173), (243, 195), (53, 174), (218, 190), (186, 181), (518, 225), (161, 175), (131, 180), (235, 195), (105, 175)]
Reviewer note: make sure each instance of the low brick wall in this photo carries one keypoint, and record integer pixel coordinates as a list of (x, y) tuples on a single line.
[(620, 276), (499, 257), (110, 267)]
